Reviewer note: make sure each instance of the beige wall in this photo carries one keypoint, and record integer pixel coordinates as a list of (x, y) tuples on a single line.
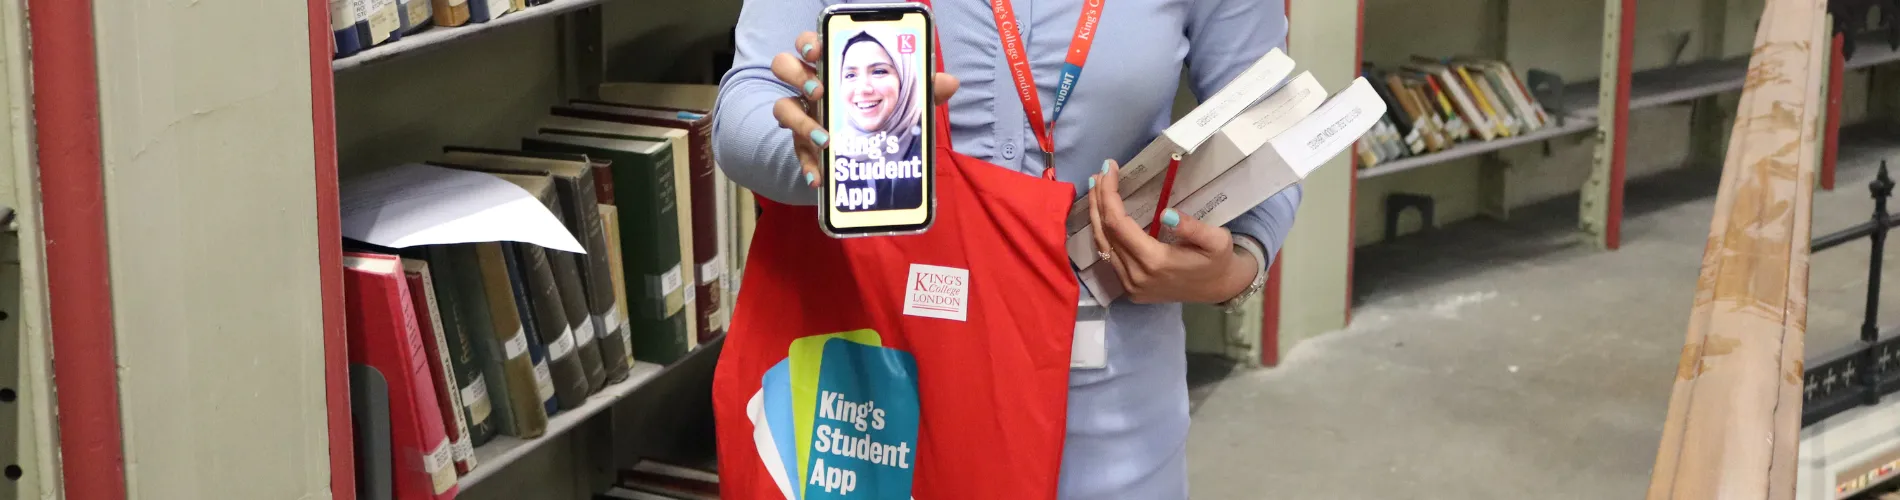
[(32, 441), (205, 116)]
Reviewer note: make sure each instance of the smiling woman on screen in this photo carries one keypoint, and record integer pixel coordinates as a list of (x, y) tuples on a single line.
[(881, 99)]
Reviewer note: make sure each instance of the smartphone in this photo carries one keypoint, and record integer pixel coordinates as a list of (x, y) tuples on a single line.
[(879, 177)]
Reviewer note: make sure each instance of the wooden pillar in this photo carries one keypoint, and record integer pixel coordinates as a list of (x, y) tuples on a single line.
[(1601, 204), (1733, 425)]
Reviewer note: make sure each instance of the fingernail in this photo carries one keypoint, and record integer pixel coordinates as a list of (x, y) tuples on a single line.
[(1091, 183), (811, 178), (1170, 218), (806, 50), (819, 137), (1105, 164), (811, 86)]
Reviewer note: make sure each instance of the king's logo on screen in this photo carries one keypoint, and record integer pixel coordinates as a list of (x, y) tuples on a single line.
[(906, 43)]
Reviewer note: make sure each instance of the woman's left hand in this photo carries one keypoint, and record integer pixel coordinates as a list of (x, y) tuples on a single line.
[(1202, 265)]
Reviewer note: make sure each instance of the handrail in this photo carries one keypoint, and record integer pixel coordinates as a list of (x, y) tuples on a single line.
[(1734, 418)]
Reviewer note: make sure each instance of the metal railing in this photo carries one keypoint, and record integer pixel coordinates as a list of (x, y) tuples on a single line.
[(1861, 373)]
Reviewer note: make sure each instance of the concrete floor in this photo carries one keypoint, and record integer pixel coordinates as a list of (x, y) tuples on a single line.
[(1508, 360)]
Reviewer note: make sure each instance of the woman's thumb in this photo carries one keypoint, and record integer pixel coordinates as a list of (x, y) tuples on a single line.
[(1196, 233)]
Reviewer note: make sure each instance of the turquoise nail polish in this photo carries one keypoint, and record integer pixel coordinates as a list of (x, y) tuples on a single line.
[(1170, 218), (807, 50), (819, 137), (811, 86), (1091, 183), (1105, 164), (811, 178)]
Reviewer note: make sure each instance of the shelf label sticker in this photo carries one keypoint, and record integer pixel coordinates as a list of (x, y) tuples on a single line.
[(438, 465), (543, 381), (607, 324), (475, 397), (517, 345), (562, 346)]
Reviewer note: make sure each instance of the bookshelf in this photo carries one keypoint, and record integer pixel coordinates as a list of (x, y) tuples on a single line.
[(503, 451), (436, 36), (1648, 89), (581, 448)]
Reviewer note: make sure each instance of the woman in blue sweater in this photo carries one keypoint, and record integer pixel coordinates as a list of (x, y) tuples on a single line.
[(1128, 421)]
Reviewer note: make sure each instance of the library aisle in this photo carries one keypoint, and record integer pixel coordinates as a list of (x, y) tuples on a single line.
[(1520, 364)]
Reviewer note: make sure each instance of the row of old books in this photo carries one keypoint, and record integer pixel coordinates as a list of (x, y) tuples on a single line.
[(357, 25), (481, 339), (1433, 105)]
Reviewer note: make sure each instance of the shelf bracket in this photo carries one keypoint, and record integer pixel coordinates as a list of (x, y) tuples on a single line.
[(582, 60), (1494, 185)]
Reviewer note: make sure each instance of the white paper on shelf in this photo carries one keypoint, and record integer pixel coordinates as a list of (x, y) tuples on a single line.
[(417, 204), (1197, 126), (1290, 157), (1235, 141)]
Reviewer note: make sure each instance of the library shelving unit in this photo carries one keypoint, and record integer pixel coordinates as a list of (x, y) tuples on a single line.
[(579, 27)]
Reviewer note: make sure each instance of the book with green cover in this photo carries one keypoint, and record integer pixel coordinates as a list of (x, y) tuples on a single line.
[(649, 235), (466, 358)]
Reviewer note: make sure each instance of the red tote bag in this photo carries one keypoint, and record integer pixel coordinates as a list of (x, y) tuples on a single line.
[(927, 366)]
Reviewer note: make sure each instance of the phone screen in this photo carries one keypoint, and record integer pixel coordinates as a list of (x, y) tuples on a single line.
[(877, 88)]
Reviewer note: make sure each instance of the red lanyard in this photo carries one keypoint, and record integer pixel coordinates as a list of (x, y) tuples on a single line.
[(1026, 84)]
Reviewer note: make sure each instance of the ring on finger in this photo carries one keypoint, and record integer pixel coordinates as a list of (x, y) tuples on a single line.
[(1103, 255)]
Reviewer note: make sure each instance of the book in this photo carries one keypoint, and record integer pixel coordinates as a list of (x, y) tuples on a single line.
[(414, 15), (610, 220), (481, 11), (1261, 78), (449, 13), (382, 333), (1287, 158), (574, 370), (691, 162), (1233, 142), (693, 104), (644, 187), (448, 395), (347, 25), (517, 341), (670, 481), (580, 211), (480, 368)]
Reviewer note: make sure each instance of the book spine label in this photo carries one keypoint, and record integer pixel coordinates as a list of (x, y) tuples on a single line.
[(383, 20), (543, 381), (665, 284), (475, 396), (438, 464), (344, 13), (560, 348), (518, 345)]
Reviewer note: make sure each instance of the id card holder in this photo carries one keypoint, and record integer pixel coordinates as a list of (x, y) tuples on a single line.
[(1090, 350)]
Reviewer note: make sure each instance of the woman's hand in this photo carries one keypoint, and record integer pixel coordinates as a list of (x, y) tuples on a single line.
[(800, 71), (1202, 264)]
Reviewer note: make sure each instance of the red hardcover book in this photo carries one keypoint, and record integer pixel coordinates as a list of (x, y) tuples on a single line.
[(441, 381), (383, 335)]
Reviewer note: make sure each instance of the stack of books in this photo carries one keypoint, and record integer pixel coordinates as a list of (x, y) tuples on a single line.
[(1260, 134), (1432, 105), (493, 288)]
